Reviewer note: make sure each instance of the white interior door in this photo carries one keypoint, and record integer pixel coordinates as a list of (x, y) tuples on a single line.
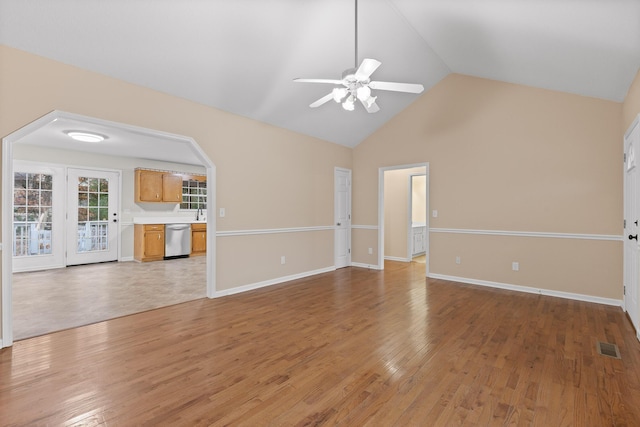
[(38, 216), (92, 216), (632, 217), (342, 216)]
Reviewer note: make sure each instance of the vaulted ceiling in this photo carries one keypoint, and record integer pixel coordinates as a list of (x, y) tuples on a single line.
[(242, 55)]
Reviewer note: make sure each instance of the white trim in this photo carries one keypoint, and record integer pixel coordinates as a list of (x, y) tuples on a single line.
[(7, 225), (126, 259), (271, 282), (633, 124), (365, 227), (272, 231), (530, 290), (362, 265), (395, 258), (609, 237)]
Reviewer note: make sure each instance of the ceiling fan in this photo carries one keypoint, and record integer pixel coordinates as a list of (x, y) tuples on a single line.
[(356, 84)]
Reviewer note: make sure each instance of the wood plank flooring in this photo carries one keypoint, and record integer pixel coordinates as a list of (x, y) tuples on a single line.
[(353, 347)]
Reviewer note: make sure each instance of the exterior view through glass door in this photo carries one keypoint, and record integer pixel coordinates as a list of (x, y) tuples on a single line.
[(92, 220), (38, 217)]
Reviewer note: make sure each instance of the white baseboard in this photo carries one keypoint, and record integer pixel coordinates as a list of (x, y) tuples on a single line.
[(270, 282), (395, 258), (362, 265), (1, 346), (126, 259), (530, 290)]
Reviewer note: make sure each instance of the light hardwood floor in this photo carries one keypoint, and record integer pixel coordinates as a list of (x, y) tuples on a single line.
[(53, 300), (352, 347)]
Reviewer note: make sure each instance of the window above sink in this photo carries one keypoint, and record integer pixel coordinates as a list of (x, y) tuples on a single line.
[(194, 193)]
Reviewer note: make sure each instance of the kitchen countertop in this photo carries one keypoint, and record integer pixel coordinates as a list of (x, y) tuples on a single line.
[(166, 220)]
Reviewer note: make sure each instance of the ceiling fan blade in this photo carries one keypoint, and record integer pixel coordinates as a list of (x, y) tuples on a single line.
[(322, 100), (333, 82), (370, 109), (397, 87), (367, 68)]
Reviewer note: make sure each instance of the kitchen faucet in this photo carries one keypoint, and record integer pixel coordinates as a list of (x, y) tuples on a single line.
[(198, 214)]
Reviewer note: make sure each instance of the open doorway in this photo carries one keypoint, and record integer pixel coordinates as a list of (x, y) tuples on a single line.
[(126, 144), (401, 235)]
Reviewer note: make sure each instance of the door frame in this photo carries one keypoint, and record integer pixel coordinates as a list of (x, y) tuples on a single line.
[(381, 172), (7, 196), (626, 301), (337, 170)]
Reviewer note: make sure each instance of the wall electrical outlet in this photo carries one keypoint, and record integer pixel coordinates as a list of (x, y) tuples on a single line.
[(515, 266), (457, 260), (222, 213), (434, 213), (283, 260), (370, 251)]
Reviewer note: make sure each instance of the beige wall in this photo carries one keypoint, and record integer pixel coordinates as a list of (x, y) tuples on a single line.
[(510, 158), (418, 199), (267, 177), (631, 105)]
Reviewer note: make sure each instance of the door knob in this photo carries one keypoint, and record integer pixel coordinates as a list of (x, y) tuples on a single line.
[(633, 237), (338, 224), (635, 222)]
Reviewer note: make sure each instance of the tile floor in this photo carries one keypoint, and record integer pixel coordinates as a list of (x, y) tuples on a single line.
[(53, 300)]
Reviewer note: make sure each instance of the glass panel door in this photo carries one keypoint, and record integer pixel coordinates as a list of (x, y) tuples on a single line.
[(93, 218), (37, 217)]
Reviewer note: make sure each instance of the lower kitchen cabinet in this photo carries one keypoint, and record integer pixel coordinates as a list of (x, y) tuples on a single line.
[(148, 242), (198, 239)]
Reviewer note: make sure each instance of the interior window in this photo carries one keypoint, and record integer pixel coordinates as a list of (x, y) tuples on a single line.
[(194, 194)]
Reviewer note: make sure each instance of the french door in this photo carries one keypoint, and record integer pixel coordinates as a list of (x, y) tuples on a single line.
[(38, 217), (92, 216)]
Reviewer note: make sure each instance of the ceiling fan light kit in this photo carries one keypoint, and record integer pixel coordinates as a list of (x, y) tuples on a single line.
[(357, 85)]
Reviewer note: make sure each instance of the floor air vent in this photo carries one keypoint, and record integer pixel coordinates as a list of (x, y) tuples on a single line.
[(608, 349)]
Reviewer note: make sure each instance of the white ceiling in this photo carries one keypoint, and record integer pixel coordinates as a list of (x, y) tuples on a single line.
[(122, 140), (242, 55)]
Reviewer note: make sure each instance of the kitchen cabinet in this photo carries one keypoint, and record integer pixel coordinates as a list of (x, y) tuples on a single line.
[(171, 188), (419, 240), (148, 242), (157, 186), (198, 239)]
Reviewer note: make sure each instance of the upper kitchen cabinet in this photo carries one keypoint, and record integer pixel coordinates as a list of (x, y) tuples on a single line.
[(171, 188), (157, 186)]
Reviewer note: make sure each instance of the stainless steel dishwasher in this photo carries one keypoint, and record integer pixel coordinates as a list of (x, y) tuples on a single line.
[(177, 240)]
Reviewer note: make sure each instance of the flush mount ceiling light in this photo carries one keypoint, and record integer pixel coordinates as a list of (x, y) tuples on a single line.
[(85, 136), (357, 85)]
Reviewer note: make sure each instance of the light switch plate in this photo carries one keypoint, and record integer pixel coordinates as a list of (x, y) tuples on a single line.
[(222, 213), (434, 213)]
